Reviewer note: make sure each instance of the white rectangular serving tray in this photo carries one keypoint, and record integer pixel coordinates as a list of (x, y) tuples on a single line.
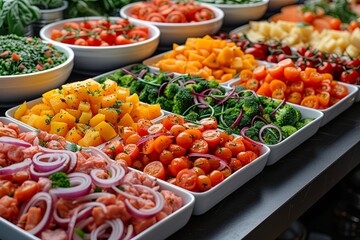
[(331, 112), (160, 230)]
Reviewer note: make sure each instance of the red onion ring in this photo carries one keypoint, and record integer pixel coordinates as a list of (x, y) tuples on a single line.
[(80, 225), (82, 186), (71, 225), (117, 175), (36, 175), (14, 141), (146, 213), (238, 119), (162, 86), (269, 126), (278, 106), (71, 156), (84, 210), (45, 162), (46, 219), (142, 73), (98, 153), (223, 163), (130, 73), (148, 137), (125, 194), (260, 118), (117, 229), (129, 232), (242, 133), (227, 97), (16, 167)]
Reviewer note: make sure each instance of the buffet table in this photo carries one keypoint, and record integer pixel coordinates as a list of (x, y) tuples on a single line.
[(266, 205)]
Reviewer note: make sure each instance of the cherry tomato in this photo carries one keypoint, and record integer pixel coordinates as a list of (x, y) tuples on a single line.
[(256, 52), (155, 169), (178, 164), (187, 179), (203, 183), (325, 67), (350, 76), (212, 137), (143, 126), (171, 120), (199, 146), (122, 40), (108, 36), (203, 163)]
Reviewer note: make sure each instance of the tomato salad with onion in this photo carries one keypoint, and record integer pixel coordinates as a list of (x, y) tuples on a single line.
[(103, 32), (54, 192), (167, 11), (194, 156)]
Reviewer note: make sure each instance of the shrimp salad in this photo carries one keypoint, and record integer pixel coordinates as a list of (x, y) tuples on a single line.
[(55, 193)]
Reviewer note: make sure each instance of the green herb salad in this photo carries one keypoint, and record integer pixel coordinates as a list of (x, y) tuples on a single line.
[(23, 55)]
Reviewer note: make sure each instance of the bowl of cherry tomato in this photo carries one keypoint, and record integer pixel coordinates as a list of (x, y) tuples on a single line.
[(176, 21), (103, 44)]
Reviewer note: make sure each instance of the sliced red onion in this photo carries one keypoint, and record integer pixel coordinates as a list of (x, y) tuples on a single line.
[(206, 155), (129, 232), (125, 194), (98, 153), (171, 74), (238, 119), (162, 86), (46, 219), (91, 196), (16, 167), (189, 82), (14, 141), (261, 109), (130, 73), (227, 97), (117, 175), (278, 106), (269, 126), (117, 229), (35, 175), (260, 118), (175, 79), (214, 96), (65, 154), (148, 137), (146, 213), (242, 133), (84, 210), (80, 225), (45, 162), (205, 104), (71, 225), (80, 186), (142, 73)]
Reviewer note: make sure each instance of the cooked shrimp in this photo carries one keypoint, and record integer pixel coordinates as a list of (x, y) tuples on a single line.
[(8, 132)]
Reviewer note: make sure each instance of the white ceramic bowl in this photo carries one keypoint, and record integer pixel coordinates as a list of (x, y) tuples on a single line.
[(179, 32), (17, 88), (91, 60), (237, 14)]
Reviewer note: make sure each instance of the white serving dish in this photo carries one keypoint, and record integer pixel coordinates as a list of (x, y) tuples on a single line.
[(160, 230), (179, 32), (96, 60), (238, 14), (331, 112), (10, 112), (17, 88)]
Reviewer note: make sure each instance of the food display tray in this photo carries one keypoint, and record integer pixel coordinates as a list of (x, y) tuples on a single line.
[(331, 112), (159, 230)]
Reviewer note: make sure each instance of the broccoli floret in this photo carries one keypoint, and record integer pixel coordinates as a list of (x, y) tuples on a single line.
[(192, 116), (210, 100), (245, 121), (126, 81), (136, 87), (298, 115), (250, 106), (200, 86), (286, 115), (213, 84), (59, 179), (165, 104), (267, 102), (270, 136), (259, 124), (229, 116), (149, 94), (303, 122), (287, 131), (239, 88), (253, 133), (156, 79), (171, 90), (182, 101)]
